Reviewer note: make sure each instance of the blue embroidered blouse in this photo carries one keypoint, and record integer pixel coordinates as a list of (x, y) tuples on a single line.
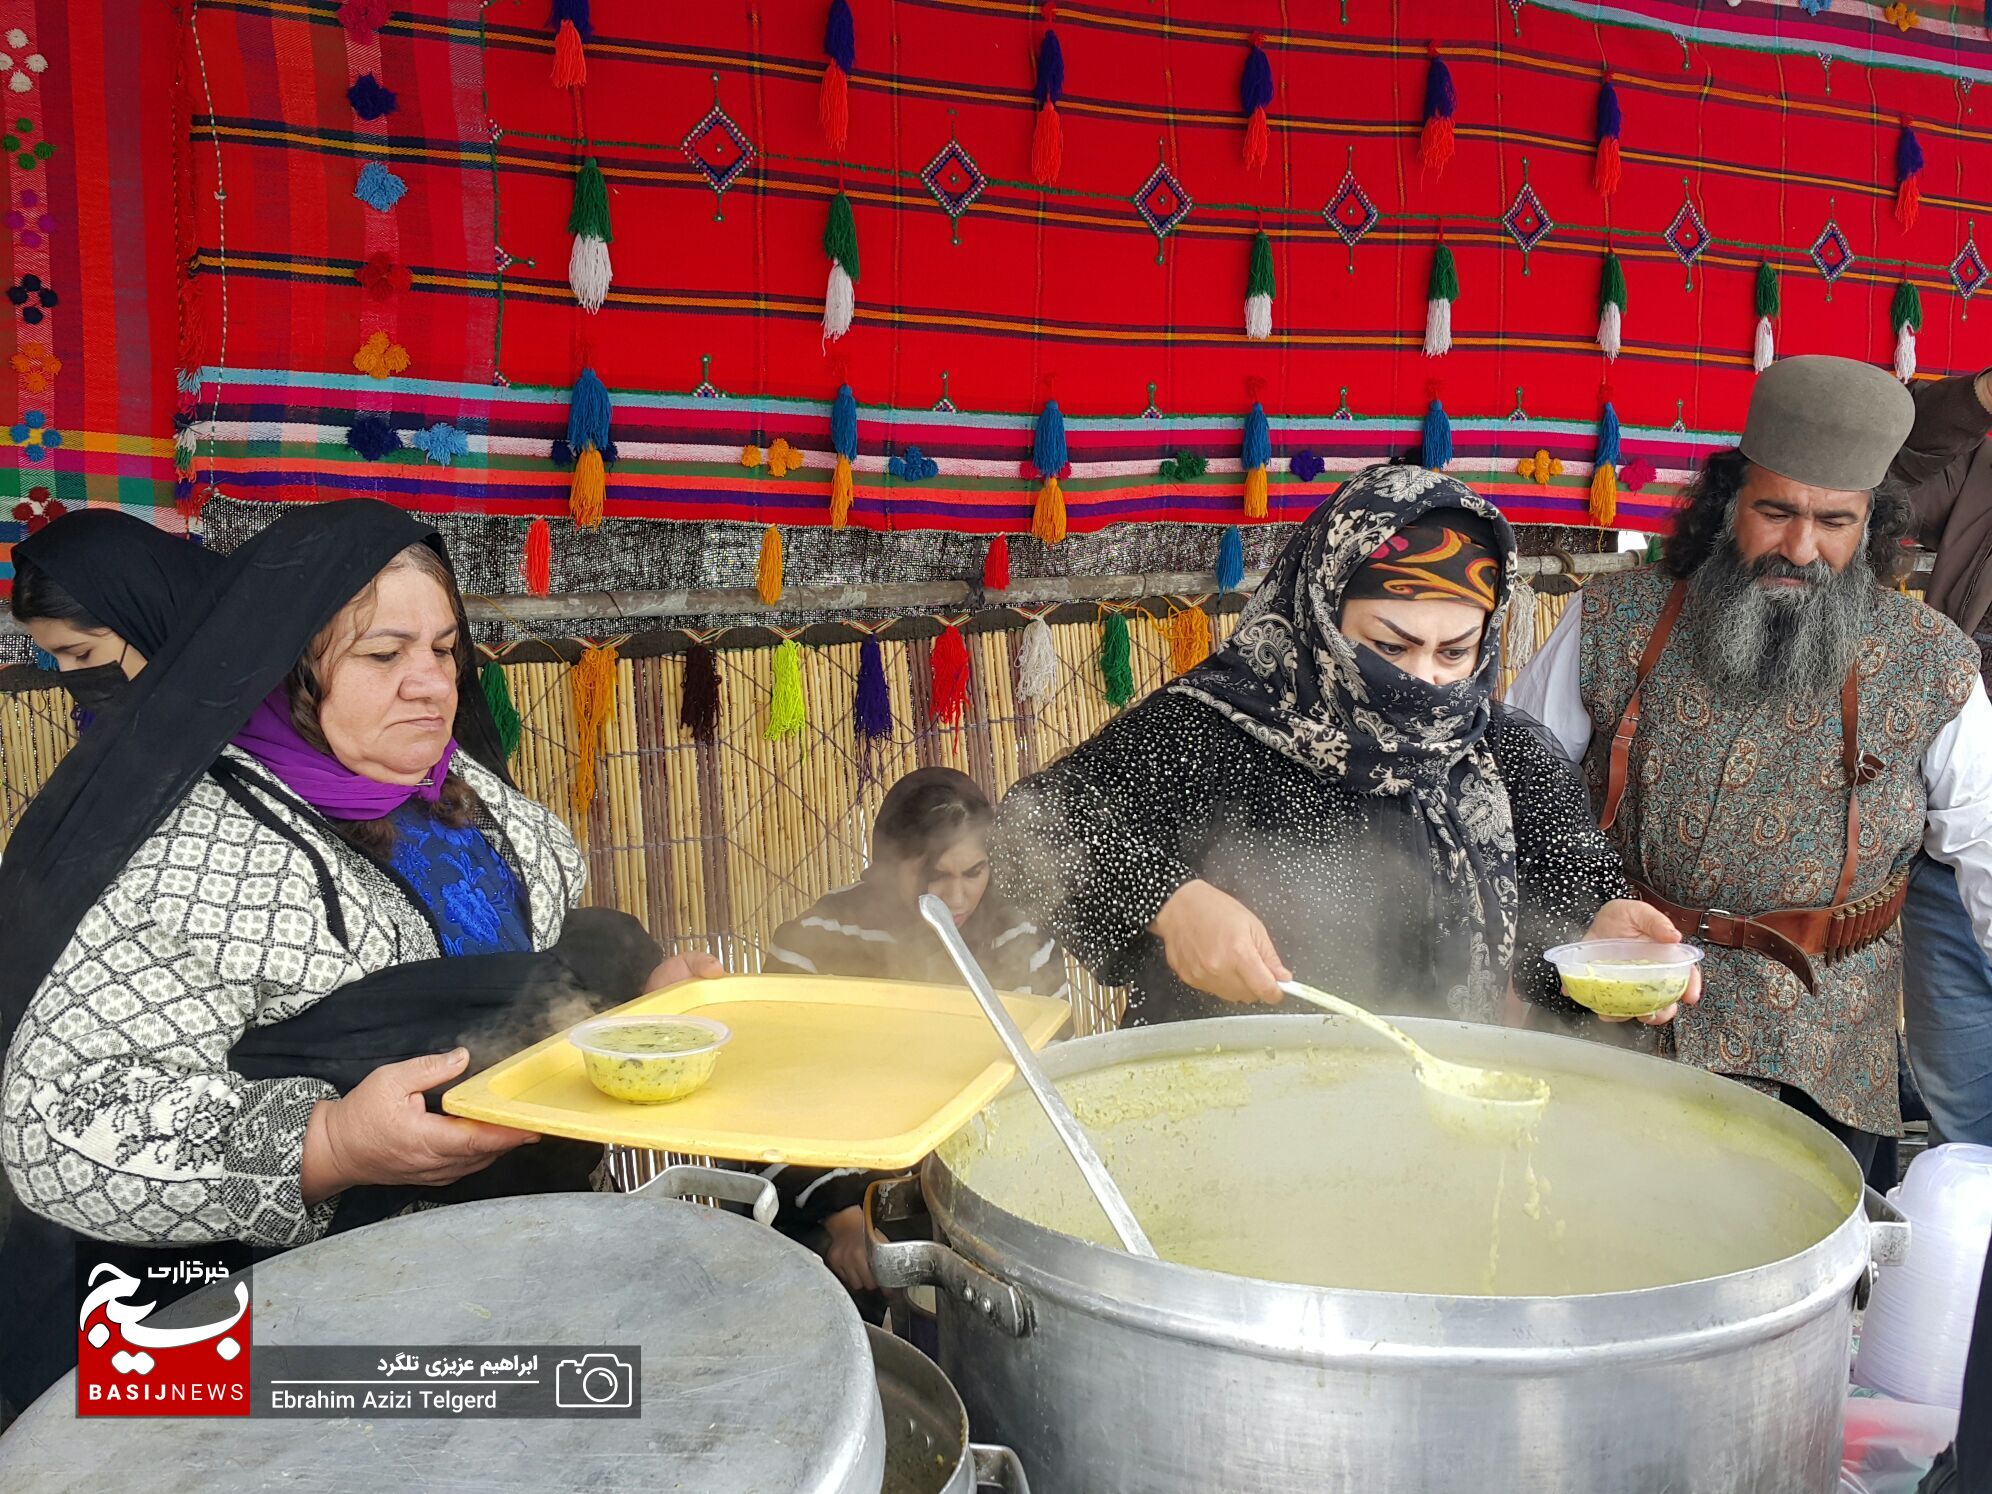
[(470, 892)]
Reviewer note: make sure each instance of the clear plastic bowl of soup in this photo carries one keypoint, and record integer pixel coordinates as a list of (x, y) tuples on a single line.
[(1625, 977), (649, 1060)]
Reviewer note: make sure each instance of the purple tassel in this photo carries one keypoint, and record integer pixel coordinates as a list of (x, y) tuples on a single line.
[(1050, 87), (874, 703), (1610, 121), (575, 11), (840, 36)]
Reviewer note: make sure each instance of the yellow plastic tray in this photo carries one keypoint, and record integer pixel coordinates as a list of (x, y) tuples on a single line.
[(821, 1072)]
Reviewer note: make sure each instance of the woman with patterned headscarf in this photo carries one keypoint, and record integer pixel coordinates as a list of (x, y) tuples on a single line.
[(1334, 796)]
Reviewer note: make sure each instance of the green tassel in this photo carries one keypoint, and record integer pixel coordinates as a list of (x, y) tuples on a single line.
[(1260, 281), (590, 217), (1611, 286), (840, 235), (1907, 308), (1445, 277), (1116, 660), (1767, 290), (504, 715), (787, 714)]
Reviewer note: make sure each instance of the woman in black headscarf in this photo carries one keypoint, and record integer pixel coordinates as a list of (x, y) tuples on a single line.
[(1333, 794)]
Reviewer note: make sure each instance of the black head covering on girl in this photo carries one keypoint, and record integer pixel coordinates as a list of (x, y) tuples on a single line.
[(119, 782), (135, 579), (1291, 680)]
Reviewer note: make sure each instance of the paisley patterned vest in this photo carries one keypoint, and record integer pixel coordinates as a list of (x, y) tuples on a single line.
[(1744, 807)]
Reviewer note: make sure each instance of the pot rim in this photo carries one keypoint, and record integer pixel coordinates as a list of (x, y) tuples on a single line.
[(1337, 1324)]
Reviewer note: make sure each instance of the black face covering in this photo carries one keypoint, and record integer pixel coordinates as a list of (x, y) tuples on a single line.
[(94, 689)]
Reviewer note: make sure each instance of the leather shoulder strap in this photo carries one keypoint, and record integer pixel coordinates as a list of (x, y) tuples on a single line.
[(1628, 726)]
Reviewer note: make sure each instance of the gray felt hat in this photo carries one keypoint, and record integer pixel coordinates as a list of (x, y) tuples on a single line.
[(1827, 422)]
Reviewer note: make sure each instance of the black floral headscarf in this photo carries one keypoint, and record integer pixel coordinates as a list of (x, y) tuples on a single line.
[(1291, 680)]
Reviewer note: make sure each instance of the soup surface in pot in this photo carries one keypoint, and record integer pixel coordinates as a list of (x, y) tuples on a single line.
[(1322, 1166)]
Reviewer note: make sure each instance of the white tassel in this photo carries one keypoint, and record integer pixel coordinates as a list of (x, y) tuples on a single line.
[(1905, 353), (588, 271), (1766, 348), (1521, 641), (1037, 663), (1610, 322), (1258, 317), (1438, 328), (840, 303)]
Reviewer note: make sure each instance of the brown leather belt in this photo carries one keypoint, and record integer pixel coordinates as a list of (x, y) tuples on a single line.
[(1794, 937)]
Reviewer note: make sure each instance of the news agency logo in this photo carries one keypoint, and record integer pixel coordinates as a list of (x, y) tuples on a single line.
[(133, 1360)]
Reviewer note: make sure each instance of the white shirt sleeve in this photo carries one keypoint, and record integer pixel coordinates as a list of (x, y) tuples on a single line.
[(1549, 688), (1957, 776)]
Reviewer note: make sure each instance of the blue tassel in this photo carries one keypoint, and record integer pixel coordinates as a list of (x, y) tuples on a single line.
[(1050, 86), (1441, 99), (1908, 154), (1255, 84), (1258, 450), (844, 422), (874, 703), (1048, 441), (1230, 560), (1608, 436), (577, 12), (840, 36), (1438, 448), (1610, 121), (588, 414), (369, 99)]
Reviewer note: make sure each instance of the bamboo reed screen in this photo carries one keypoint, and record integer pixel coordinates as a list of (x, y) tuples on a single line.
[(714, 845)]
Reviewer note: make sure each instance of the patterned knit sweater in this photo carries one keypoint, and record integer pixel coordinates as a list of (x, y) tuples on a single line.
[(121, 1117)]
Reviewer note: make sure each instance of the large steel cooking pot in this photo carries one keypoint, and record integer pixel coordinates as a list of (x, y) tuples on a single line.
[(755, 1374), (1742, 1228), (927, 1450)]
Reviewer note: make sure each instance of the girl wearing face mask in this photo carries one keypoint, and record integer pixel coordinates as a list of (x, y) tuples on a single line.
[(1334, 796), (931, 836)]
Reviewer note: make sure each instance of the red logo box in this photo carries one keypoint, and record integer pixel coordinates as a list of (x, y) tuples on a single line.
[(129, 1365)]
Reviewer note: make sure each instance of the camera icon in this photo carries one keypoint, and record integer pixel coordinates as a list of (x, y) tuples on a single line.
[(594, 1382)]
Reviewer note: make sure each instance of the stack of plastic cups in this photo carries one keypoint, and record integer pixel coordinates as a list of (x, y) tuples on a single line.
[(1918, 1323)]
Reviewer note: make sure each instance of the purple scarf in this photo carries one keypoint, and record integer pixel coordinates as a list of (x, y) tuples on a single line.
[(320, 779)]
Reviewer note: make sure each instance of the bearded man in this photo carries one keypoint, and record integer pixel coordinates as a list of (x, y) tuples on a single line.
[(1771, 735)]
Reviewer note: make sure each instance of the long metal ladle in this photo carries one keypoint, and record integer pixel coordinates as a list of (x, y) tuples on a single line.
[(1111, 1200)]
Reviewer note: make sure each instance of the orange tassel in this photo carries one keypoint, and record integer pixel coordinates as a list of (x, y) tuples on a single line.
[(589, 493), (768, 572), (1047, 147), (1435, 146), (1255, 493), (1048, 520), (1908, 202), (1258, 140), (570, 62), (1604, 495), (592, 687), (538, 567), (833, 106), (841, 492), (1189, 639), (1606, 169)]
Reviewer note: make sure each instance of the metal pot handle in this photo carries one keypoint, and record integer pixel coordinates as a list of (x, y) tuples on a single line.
[(689, 1181), (999, 1467), (913, 1263), (1888, 1230)]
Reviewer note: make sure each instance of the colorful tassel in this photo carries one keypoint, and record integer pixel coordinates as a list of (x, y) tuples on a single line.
[(698, 707), (1189, 639), (1908, 176), (498, 700), (1037, 663), (571, 29), (1049, 458), (1231, 560), (1440, 293), (1116, 660), (1767, 307), (588, 415), (768, 569), (1604, 472), (1259, 289), (873, 705), (1611, 306), (1437, 448), (1435, 143), (537, 567), (1048, 136), (833, 101), (788, 713), (843, 441), (996, 565), (1254, 453), (949, 704), (1255, 96), (840, 242), (1905, 314), (1606, 167), (592, 690), (588, 268)]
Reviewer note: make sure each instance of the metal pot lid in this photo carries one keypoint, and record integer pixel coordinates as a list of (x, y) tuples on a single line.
[(755, 1370)]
